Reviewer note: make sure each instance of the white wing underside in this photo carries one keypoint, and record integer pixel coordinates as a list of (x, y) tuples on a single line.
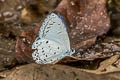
[(52, 42)]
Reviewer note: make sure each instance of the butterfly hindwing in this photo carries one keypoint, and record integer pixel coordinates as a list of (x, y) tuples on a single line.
[(49, 51)]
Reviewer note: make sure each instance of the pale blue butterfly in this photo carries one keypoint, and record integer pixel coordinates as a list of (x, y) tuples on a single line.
[(52, 43)]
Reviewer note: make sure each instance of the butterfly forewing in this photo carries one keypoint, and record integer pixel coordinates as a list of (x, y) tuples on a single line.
[(55, 30)]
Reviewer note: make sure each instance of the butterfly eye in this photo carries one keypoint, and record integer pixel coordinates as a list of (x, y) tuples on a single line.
[(58, 47), (46, 55)]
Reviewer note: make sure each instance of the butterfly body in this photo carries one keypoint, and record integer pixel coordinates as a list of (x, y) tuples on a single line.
[(52, 43)]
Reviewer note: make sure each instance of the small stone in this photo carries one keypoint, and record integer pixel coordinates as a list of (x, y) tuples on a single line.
[(72, 3), (0, 15), (19, 7), (7, 14), (2, 0)]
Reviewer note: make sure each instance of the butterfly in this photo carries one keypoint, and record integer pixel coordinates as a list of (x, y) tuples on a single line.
[(52, 43)]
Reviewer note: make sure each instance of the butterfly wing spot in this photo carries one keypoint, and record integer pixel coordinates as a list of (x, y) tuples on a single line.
[(48, 27), (37, 58), (51, 24), (59, 32), (43, 51), (39, 61), (58, 23), (44, 59), (53, 14), (47, 31), (36, 44), (37, 38), (35, 54), (73, 50), (34, 47), (47, 42), (44, 24)]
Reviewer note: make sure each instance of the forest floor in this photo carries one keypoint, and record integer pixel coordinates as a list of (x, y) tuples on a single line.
[(11, 27)]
